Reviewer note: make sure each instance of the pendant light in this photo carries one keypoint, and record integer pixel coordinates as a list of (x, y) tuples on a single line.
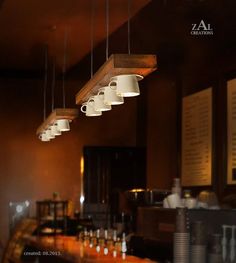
[(63, 124), (120, 72), (94, 106), (54, 127), (58, 121), (44, 136)]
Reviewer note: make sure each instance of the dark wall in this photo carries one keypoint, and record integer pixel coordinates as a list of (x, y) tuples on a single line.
[(33, 170), (186, 64)]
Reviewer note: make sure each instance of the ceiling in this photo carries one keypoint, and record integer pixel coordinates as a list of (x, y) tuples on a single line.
[(27, 25)]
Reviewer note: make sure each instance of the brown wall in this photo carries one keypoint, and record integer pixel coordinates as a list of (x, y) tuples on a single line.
[(185, 64), (33, 170)]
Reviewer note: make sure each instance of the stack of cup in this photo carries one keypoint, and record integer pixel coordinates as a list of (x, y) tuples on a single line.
[(215, 249), (181, 237), (198, 243)]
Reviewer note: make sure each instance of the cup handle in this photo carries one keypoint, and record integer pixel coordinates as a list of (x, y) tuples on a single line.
[(82, 108), (112, 87), (100, 91)]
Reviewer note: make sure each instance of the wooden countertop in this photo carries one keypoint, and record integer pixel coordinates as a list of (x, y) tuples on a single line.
[(74, 251)]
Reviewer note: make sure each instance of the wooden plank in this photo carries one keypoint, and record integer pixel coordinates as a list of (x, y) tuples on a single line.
[(60, 113), (117, 64)]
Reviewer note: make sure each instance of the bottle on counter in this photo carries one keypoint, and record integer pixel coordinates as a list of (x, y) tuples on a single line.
[(98, 238), (86, 237), (105, 248), (176, 188)]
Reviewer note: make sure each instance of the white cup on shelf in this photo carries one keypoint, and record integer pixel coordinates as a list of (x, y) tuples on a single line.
[(88, 108), (110, 96), (126, 85)]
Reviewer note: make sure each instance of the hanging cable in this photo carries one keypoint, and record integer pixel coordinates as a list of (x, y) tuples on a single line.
[(64, 68), (128, 25), (91, 37), (53, 82), (45, 81), (107, 29)]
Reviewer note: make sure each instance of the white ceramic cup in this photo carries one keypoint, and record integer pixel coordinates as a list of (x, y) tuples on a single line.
[(43, 137), (49, 134), (88, 108), (110, 96), (99, 104), (174, 201), (63, 125), (55, 130), (126, 85), (190, 203)]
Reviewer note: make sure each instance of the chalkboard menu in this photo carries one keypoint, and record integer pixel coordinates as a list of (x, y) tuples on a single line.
[(197, 139), (231, 131)]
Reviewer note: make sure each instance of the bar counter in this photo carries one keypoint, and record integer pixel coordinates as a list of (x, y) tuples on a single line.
[(71, 250)]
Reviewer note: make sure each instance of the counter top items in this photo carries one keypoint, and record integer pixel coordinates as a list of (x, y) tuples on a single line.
[(209, 198), (228, 243), (174, 200), (72, 250), (176, 188), (52, 216), (181, 237), (198, 242), (215, 249)]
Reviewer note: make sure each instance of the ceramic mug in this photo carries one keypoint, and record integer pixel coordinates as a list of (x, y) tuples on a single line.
[(43, 137), (126, 85), (99, 104), (110, 96), (63, 125), (49, 134), (88, 108), (55, 130)]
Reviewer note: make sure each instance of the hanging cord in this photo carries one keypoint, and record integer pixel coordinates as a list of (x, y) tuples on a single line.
[(128, 25), (45, 81), (64, 68), (53, 82), (92, 36), (107, 29)]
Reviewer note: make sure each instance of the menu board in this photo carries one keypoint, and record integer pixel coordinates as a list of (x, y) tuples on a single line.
[(231, 130), (197, 139)]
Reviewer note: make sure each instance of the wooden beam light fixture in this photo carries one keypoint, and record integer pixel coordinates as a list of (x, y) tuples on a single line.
[(59, 119), (117, 65), (54, 120)]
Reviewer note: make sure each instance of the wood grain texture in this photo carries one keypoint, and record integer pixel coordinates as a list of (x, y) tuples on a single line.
[(117, 64), (60, 113)]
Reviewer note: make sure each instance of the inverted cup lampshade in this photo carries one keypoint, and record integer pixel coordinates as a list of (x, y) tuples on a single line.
[(63, 125), (88, 108), (49, 134), (55, 130), (110, 96), (43, 137), (126, 85), (99, 104)]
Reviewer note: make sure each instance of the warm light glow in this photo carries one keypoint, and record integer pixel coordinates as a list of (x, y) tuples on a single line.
[(81, 199), (137, 190), (27, 203), (19, 208), (82, 166)]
